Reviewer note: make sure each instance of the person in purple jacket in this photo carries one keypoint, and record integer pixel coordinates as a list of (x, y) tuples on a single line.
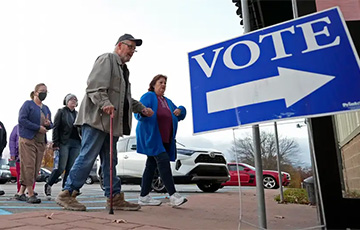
[(34, 122), (14, 153)]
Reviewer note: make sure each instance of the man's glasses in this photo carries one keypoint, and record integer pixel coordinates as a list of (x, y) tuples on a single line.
[(133, 48)]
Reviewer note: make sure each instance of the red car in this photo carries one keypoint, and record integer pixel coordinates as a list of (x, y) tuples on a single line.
[(12, 164), (247, 176)]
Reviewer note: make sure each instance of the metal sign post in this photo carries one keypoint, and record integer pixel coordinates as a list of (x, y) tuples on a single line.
[(256, 140), (259, 178), (279, 163)]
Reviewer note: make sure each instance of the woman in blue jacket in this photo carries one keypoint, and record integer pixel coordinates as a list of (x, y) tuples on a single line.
[(34, 122), (155, 137)]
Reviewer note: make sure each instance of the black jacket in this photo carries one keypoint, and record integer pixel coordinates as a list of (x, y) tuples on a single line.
[(3, 140), (63, 126)]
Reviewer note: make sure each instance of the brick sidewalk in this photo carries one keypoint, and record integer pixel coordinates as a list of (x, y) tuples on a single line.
[(205, 211)]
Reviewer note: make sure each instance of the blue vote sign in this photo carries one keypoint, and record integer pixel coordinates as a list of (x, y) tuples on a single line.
[(300, 68)]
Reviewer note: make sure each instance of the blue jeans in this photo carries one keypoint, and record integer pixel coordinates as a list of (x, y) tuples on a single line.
[(94, 142), (68, 154), (162, 162)]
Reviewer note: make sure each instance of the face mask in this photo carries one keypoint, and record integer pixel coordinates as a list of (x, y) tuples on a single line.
[(42, 96)]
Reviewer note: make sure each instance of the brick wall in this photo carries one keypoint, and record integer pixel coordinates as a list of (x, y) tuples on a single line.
[(350, 154), (349, 8)]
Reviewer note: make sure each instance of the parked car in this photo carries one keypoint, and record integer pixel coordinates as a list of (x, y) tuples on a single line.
[(5, 174), (247, 176), (204, 167), (12, 164), (44, 175)]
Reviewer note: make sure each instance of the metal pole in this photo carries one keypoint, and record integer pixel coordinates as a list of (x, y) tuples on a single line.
[(294, 8), (245, 14), (259, 178), (256, 136), (278, 163)]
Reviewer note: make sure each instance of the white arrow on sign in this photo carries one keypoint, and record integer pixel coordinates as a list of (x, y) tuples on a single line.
[(291, 85)]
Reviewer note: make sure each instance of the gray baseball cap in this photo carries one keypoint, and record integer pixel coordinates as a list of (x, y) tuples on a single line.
[(129, 37)]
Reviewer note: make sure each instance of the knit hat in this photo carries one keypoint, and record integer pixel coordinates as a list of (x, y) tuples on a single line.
[(68, 97)]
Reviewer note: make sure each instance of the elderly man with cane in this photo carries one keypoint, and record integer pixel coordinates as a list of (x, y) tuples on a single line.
[(108, 95)]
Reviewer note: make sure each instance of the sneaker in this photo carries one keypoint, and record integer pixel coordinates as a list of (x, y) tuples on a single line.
[(148, 201), (47, 189), (33, 200), (119, 203), (21, 197), (176, 200), (69, 202)]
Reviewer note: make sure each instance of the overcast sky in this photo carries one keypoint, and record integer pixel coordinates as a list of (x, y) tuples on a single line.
[(57, 42)]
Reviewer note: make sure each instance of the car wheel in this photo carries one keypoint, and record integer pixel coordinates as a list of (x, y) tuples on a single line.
[(158, 185), (89, 180), (47, 179), (269, 182), (208, 186)]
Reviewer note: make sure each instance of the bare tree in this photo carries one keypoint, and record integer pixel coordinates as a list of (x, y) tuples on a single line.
[(244, 149)]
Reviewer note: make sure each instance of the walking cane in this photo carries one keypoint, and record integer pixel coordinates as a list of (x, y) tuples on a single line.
[(111, 211)]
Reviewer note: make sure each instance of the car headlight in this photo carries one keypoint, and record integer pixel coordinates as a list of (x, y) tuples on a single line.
[(287, 175), (186, 152)]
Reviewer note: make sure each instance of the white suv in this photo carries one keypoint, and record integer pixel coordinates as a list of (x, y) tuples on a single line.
[(204, 167)]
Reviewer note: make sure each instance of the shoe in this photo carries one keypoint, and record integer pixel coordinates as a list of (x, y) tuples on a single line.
[(16, 196), (176, 200), (69, 202), (119, 203), (148, 201), (47, 189), (21, 197), (2, 192), (33, 200)]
